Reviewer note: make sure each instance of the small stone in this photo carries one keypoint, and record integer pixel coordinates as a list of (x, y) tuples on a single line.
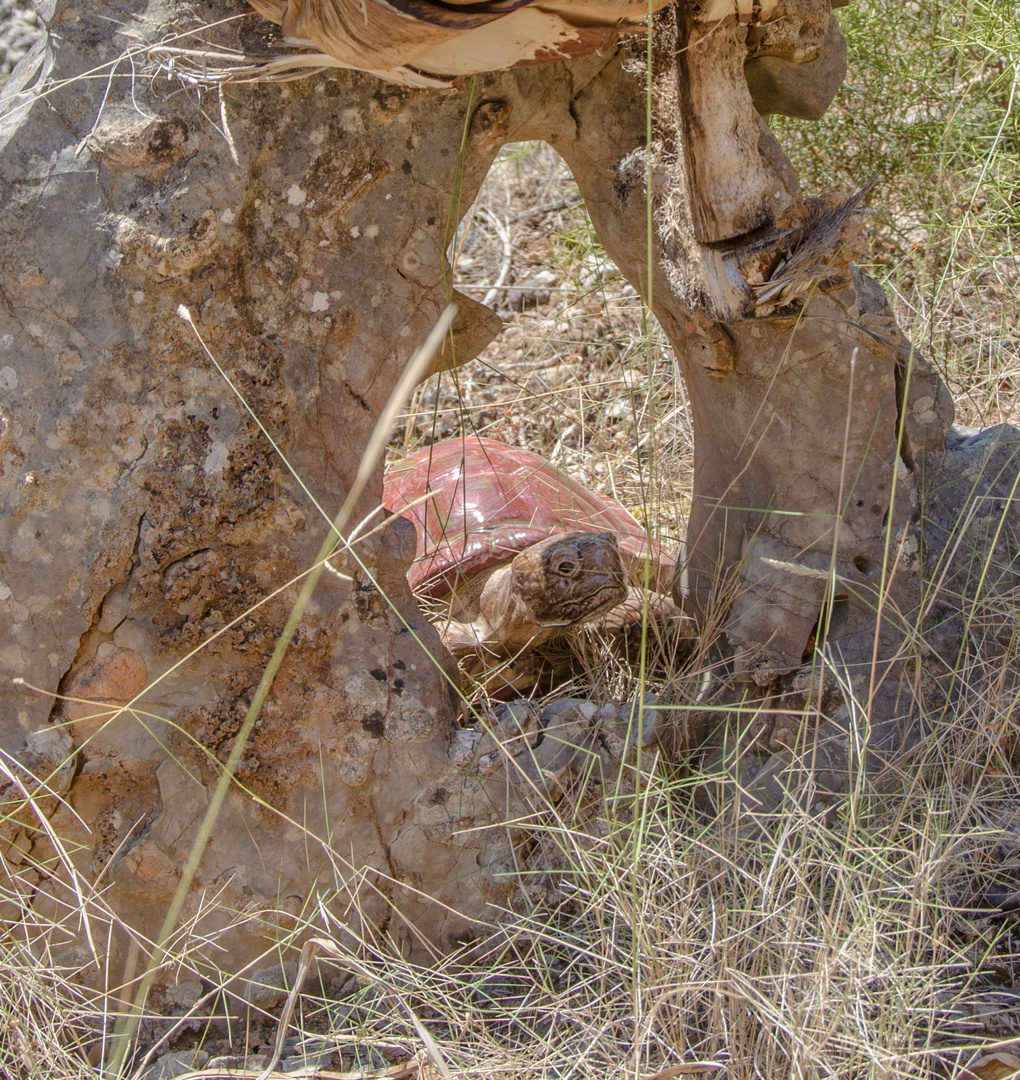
[(643, 733), (176, 1064), (531, 292), (307, 1054), (463, 742), (270, 985)]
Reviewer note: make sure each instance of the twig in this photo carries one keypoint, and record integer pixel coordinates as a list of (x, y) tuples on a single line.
[(503, 232)]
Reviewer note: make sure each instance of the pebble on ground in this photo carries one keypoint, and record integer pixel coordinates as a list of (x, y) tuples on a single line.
[(20, 28)]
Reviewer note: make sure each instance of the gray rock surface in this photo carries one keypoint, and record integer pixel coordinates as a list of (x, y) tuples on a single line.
[(971, 529), (804, 88), (146, 520)]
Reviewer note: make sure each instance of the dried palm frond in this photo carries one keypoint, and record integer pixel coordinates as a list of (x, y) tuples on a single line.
[(813, 251), (219, 65)]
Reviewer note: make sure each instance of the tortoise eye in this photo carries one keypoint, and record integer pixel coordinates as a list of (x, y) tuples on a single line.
[(567, 569)]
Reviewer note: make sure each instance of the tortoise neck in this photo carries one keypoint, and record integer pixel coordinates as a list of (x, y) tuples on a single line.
[(511, 622)]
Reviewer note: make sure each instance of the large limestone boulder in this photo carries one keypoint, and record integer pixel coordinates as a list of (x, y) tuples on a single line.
[(150, 529)]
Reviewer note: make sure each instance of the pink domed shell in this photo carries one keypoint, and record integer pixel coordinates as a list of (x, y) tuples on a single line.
[(476, 503)]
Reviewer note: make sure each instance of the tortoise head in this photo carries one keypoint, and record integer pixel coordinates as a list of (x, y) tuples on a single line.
[(570, 577)]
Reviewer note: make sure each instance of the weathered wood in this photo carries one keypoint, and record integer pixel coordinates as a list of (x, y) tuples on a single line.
[(732, 188), (402, 39)]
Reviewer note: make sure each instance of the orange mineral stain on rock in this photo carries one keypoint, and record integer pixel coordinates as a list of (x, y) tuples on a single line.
[(150, 863), (113, 678)]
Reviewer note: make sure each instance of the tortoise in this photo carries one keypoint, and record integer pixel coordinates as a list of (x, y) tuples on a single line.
[(512, 551)]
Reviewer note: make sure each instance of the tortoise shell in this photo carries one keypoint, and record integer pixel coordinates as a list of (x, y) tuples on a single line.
[(475, 503)]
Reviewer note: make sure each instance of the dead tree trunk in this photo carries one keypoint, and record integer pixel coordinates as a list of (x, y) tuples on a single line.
[(146, 517), (803, 526), (820, 433)]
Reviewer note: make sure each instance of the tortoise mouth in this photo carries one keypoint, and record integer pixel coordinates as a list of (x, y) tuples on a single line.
[(585, 608)]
